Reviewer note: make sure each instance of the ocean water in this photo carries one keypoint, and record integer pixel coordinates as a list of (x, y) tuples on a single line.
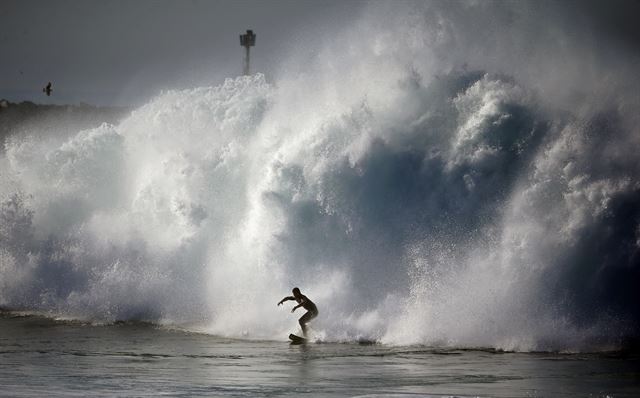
[(43, 357), (471, 218), (468, 199)]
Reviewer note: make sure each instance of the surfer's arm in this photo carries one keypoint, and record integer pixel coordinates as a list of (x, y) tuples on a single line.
[(286, 299)]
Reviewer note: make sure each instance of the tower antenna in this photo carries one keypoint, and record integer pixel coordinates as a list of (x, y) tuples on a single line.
[(247, 41)]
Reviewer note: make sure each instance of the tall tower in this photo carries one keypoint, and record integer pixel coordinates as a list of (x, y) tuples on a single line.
[(247, 41)]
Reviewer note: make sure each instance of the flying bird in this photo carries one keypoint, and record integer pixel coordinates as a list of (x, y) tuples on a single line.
[(47, 89)]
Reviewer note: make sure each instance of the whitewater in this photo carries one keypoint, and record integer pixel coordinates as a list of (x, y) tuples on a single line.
[(418, 195)]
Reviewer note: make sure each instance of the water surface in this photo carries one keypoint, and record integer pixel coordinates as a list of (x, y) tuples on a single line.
[(40, 356)]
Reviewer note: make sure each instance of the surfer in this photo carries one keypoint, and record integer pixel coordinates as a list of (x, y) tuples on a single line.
[(303, 301)]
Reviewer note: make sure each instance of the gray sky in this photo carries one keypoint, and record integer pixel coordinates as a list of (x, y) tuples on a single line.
[(117, 52), (121, 52)]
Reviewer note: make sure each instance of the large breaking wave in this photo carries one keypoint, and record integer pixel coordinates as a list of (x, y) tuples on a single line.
[(418, 194)]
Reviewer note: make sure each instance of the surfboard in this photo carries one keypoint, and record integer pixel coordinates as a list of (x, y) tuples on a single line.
[(297, 339)]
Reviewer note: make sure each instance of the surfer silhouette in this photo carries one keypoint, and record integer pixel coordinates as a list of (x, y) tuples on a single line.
[(304, 302), (47, 90)]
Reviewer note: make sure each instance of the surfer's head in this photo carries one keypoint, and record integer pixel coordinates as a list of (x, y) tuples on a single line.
[(296, 292)]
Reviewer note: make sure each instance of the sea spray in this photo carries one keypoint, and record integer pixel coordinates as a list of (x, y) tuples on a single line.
[(414, 201)]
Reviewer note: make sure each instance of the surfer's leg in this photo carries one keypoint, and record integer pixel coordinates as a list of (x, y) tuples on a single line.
[(303, 321)]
